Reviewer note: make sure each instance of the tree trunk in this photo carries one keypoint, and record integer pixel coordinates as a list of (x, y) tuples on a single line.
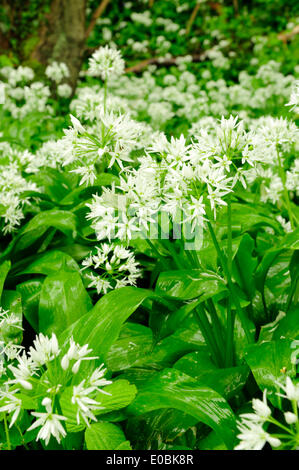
[(62, 36)]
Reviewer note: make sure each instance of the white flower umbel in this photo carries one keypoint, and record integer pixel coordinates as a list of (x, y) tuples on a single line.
[(294, 99), (85, 404), (78, 354), (106, 62), (24, 371), (98, 380), (254, 437), (261, 411), (57, 71), (11, 404), (12, 201), (50, 423), (45, 349), (111, 266), (291, 390), (64, 90)]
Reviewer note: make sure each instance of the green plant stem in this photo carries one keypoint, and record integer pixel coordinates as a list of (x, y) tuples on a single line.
[(230, 285), (230, 318), (285, 191), (277, 423), (159, 256), (230, 324), (205, 328), (174, 254), (216, 324), (229, 234), (7, 432), (22, 437), (295, 410)]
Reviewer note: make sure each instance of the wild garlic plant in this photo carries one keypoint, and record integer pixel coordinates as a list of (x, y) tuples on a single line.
[(109, 267), (261, 427), (13, 188), (11, 333), (177, 187), (23, 95), (44, 383)]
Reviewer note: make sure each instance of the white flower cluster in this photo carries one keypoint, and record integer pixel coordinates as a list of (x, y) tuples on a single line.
[(105, 63), (116, 266), (12, 199), (57, 71), (64, 90), (35, 375), (184, 96), (23, 99), (183, 182), (10, 338), (294, 99), (110, 139), (253, 436), (17, 76)]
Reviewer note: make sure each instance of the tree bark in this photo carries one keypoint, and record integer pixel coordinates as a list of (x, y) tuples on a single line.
[(62, 37)]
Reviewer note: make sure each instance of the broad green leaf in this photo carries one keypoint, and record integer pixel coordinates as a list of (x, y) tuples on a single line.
[(228, 382), (49, 263), (171, 348), (270, 362), (189, 284), (121, 394), (101, 326), (288, 326), (64, 221), (52, 182), (163, 324), (4, 268), (244, 266), (251, 216), (289, 242), (30, 292), (63, 300), (11, 300), (147, 430), (173, 389), (105, 436), (212, 442), (134, 342)]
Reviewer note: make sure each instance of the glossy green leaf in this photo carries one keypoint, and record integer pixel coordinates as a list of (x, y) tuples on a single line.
[(105, 436), (270, 362), (63, 300), (174, 389), (11, 300), (227, 382), (134, 342), (30, 293), (288, 242), (64, 221), (189, 284), (100, 327), (244, 266), (288, 326), (171, 348), (121, 394), (4, 269), (50, 263)]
